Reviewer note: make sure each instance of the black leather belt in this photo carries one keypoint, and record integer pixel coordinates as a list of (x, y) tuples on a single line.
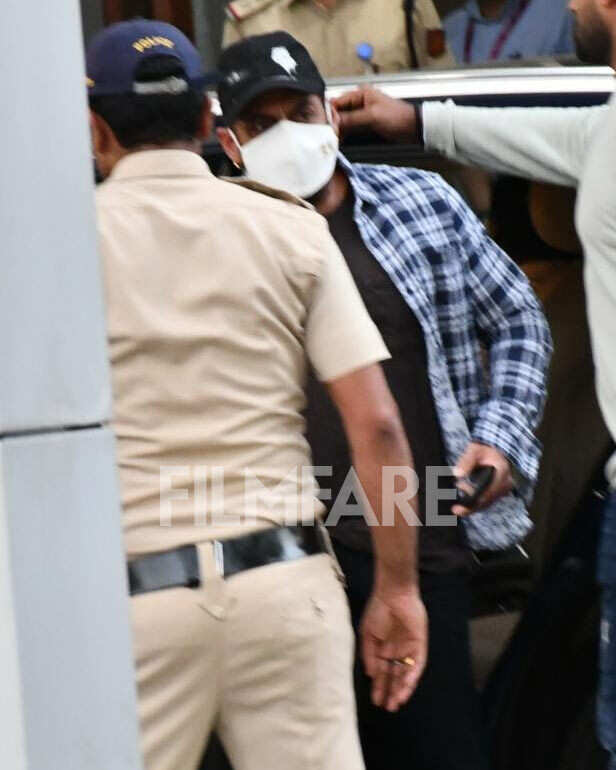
[(180, 567)]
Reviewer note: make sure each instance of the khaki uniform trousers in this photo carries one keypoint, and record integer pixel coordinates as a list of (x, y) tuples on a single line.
[(264, 657)]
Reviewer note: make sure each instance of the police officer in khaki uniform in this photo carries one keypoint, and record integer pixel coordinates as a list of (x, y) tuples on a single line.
[(349, 37), (217, 297)]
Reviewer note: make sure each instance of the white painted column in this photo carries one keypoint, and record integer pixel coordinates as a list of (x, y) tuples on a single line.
[(67, 695)]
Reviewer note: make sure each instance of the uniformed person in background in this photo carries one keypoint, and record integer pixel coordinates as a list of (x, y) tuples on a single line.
[(492, 30), (350, 37)]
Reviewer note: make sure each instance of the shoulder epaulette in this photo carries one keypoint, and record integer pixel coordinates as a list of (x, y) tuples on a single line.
[(269, 191)]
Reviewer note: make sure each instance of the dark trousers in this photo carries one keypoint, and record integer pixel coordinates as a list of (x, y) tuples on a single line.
[(440, 728)]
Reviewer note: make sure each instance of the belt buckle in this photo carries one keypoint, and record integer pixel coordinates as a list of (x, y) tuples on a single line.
[(219, 558)]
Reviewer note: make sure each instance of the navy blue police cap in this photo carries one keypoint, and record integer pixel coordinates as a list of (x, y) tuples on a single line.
[(115, 53)]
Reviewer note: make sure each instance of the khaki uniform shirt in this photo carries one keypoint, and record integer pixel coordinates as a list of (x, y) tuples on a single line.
[(215, 294), (331, 36)]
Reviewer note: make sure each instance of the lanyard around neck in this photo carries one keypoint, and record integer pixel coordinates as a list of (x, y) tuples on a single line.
[(502, 38)]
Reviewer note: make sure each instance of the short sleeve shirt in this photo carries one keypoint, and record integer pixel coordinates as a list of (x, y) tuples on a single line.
[(526, 29), (216, 295)]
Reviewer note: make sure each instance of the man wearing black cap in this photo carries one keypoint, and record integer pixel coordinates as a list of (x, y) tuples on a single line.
[(216, 297), (438, 289)]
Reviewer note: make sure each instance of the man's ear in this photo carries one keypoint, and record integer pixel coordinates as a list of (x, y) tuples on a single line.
[(105, 145), (335, 119), (101, 134), (229, 146)]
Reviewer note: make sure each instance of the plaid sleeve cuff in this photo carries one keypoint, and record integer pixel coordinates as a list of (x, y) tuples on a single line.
[(502, 425)]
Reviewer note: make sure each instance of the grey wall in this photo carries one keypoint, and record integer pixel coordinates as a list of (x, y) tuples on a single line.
[(67, 685), (54, 369)]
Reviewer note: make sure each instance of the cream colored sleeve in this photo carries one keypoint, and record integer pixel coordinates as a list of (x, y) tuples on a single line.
[(340, 335), (548, 144)]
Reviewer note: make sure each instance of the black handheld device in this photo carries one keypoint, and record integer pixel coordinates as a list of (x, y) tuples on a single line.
[(480, 479)]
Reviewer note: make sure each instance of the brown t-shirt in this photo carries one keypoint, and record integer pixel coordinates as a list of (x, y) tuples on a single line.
[(441, 549)]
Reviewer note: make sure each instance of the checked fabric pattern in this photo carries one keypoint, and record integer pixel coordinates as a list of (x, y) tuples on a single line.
[(468, 296)]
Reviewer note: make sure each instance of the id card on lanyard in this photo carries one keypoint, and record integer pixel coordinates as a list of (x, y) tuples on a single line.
[(502, 38)]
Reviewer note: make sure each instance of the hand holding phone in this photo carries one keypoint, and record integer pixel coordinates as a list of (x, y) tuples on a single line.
[(479, 480)]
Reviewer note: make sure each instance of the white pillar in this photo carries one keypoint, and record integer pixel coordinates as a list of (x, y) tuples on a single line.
[(67, 695)]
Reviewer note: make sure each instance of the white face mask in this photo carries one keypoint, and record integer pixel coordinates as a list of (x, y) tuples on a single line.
[(299, 158)]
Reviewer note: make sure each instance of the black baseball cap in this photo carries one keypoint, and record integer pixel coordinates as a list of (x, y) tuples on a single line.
[(115, 53), (261, 63)]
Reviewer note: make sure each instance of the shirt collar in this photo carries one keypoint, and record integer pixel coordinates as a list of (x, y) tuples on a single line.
[(362, 191), (475, 13), (160, 163)]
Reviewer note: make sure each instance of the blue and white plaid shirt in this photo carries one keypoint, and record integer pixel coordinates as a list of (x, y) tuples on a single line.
[(467, 295)]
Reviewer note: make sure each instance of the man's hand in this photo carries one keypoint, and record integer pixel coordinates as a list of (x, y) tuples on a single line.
[(502, 484), (393, 633), (369, 108), (394, 627)]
